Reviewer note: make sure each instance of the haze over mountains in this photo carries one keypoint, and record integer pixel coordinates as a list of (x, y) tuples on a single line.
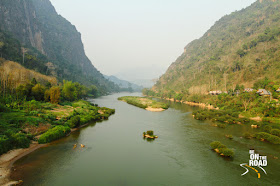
[(240, 48), (124, 85), (121, 35)]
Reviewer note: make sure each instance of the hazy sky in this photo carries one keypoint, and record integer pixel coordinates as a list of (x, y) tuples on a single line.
[(140, 39)]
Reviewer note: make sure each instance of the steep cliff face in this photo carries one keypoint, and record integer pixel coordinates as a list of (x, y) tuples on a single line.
[(36, 24), (19, 18), (240, 48)]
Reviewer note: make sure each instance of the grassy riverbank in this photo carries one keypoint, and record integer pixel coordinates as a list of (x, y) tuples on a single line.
[(45, 122), (145, 103), (34, 123)]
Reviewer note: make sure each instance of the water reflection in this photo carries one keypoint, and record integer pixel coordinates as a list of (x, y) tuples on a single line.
[(149, 139)]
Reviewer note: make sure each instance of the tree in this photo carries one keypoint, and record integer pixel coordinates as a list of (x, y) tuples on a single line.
[(69, 91), (34, 81), (80, 90), (47, 95), (24, 50), (1, 46), (245, 47), (54, 94), (179, 96), (38, 92), (24, 90), (237, 87), (93, 90), (48, 85), (262, 83), (247, 98), (241, 53)]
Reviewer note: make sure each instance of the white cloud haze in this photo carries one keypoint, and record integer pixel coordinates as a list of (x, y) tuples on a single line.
[(140, 39)]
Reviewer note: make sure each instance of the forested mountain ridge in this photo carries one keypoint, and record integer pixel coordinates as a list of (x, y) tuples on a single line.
[(50, 40), (240, 48)]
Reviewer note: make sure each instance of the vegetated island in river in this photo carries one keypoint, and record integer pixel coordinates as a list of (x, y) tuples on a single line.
[(145, 103)]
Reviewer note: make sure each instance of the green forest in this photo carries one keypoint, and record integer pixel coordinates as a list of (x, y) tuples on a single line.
[(240, 48)]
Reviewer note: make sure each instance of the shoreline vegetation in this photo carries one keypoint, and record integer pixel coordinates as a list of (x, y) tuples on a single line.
[(68, 119), (37, 113), (261, 113), (145, 103)]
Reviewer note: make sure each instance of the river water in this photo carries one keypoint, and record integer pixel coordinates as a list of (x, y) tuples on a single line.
[(116, 153)]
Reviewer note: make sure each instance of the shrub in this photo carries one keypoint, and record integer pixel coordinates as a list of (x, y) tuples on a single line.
[(267, 128), (262, 135), (150, 132), (47, 95), (5, 144), (57, 122), (275, 132), (20, 140), (223, 150), (221, 125), (3, 108), (38, 92), (54, 134), (34, 121), (54, 94), (33, 113), (49, 116), (268, 137), (74, 122), (227, 152), (13, 140), (229, 136), (247, 135), (215, 144), (273, 139)]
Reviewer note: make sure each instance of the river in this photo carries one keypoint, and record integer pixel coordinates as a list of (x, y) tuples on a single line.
[(116, 153)]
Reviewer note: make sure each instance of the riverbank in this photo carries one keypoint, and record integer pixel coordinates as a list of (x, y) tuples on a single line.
[(7, 160), (75, 116), (201, 105)]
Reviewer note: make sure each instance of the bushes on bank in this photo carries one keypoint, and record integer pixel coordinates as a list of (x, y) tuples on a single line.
[(17, 140), (275, 132), (268, 137), (267, 128), (20, 140), (54, 134), (247, 135), (74, 122), (224, 116)]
